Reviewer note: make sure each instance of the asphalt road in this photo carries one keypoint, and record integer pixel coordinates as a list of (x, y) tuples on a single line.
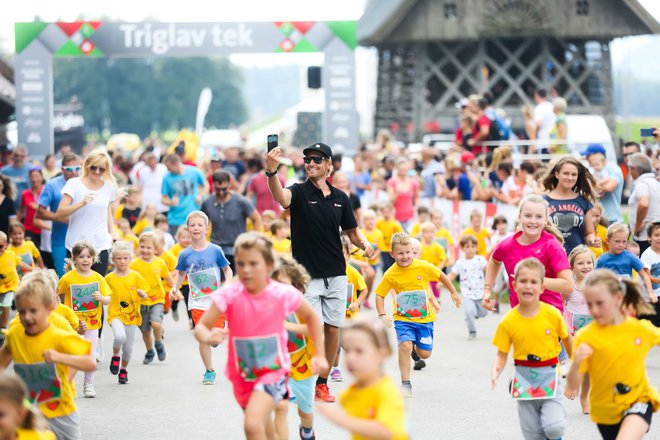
[(452, 397)]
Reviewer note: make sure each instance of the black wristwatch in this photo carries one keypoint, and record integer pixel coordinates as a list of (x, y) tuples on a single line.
[(270, 173)]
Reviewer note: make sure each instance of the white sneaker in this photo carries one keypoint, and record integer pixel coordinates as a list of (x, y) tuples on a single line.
[(88, 391), (99, 352)]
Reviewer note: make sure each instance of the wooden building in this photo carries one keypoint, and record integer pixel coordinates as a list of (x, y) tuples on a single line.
[(433, 52)]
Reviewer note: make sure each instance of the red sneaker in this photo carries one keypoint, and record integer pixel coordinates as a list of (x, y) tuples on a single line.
[(323, 393)]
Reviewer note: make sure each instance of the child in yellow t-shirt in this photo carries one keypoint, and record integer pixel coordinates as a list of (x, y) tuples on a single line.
[(413, 307), (388, 226), (601, 231), (170, 261), (155, 272), (147, 220), (9, 266), (442, 235), (432, 252), (374, 236), (85, 291), (279, 232), (612, 350), (19, 423), (126, 233), (373, 401), (301, 349), (267, 219), (129, 288), (534, 329), (25, 249), (479, 231), (423, 215), (41, 350), (355, 296)]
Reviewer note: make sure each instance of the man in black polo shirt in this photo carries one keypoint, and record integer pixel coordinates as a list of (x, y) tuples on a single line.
[(318, 210)]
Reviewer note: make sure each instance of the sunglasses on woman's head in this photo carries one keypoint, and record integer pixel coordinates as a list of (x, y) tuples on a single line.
[(316, 159), (94, 168)]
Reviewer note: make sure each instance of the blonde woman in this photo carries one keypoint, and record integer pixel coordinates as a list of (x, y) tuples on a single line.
[(87, 205)]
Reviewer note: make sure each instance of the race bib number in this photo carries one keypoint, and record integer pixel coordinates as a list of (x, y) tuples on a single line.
[(412, 304), (42, 381), (580, 321), (82, 299), (534, 383), (257, 356), (350, 289), (203, 283), (296, 341)]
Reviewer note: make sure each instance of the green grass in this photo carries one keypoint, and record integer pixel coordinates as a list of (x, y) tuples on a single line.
[(629, 130)]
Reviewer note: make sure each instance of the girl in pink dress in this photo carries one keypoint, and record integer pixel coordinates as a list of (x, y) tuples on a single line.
[(256, 307)]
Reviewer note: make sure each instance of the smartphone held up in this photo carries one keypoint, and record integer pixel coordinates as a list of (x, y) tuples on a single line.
[(273, 141)]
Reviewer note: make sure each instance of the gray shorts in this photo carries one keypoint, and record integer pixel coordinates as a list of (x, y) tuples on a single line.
[(66, 427), (327, 296), (279, 390), (152, 313)]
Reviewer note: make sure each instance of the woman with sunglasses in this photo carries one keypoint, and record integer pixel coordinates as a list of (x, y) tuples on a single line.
[(87, 204)]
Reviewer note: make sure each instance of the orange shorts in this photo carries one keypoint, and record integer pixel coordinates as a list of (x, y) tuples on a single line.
[(197, 315)]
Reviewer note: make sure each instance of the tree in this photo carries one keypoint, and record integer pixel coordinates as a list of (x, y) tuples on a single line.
[(141, 95)]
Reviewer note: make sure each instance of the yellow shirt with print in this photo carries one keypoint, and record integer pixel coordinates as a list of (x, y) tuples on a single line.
[(483, 236), (619, 357), (538, 335), (28, 253), (124, 292), (9, 262), (27, 353), (72, 283), (381, 402), (154, 272), (282, 246), (31, 434), (355, 285), (376, 239), (433, 253), (411, 302), (301, 350), (388, 228)]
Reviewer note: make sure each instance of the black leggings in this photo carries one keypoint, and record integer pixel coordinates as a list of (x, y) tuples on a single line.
[(185, 291)]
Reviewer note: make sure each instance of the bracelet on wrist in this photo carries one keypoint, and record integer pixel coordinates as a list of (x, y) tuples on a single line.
[(382, 314)]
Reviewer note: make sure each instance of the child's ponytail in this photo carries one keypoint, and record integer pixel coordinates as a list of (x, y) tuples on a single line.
[(14, 390), (552, 229), (633, 299)]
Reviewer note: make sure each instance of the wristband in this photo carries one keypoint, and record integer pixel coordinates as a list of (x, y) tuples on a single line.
[(382, 314), (270, 173)]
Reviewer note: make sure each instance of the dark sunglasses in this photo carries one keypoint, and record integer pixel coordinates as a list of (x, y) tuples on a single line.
[(95, 168), (71, 169), (225, 189), (316, 159)]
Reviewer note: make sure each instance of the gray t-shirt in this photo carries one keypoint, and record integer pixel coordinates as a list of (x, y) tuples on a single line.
[(227, 219), (645, 185)]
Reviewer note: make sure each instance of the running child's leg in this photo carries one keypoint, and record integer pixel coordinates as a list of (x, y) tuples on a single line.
[(529, 414), (481, 311), (205, 354), (119, 332), (127, 347), (281, 424), (553, 416), (148, 339), (93, 337), (158, 331), (470, 315), (405, 349), (258, 415)]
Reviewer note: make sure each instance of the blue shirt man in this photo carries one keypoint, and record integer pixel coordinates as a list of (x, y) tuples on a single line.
[(49, 201), (180, 191), (19, 172)]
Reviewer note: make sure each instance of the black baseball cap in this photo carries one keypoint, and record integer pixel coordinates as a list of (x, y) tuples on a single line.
[(321, 147)]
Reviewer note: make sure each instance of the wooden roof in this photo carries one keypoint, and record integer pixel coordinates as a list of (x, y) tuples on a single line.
[(396, 21)]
